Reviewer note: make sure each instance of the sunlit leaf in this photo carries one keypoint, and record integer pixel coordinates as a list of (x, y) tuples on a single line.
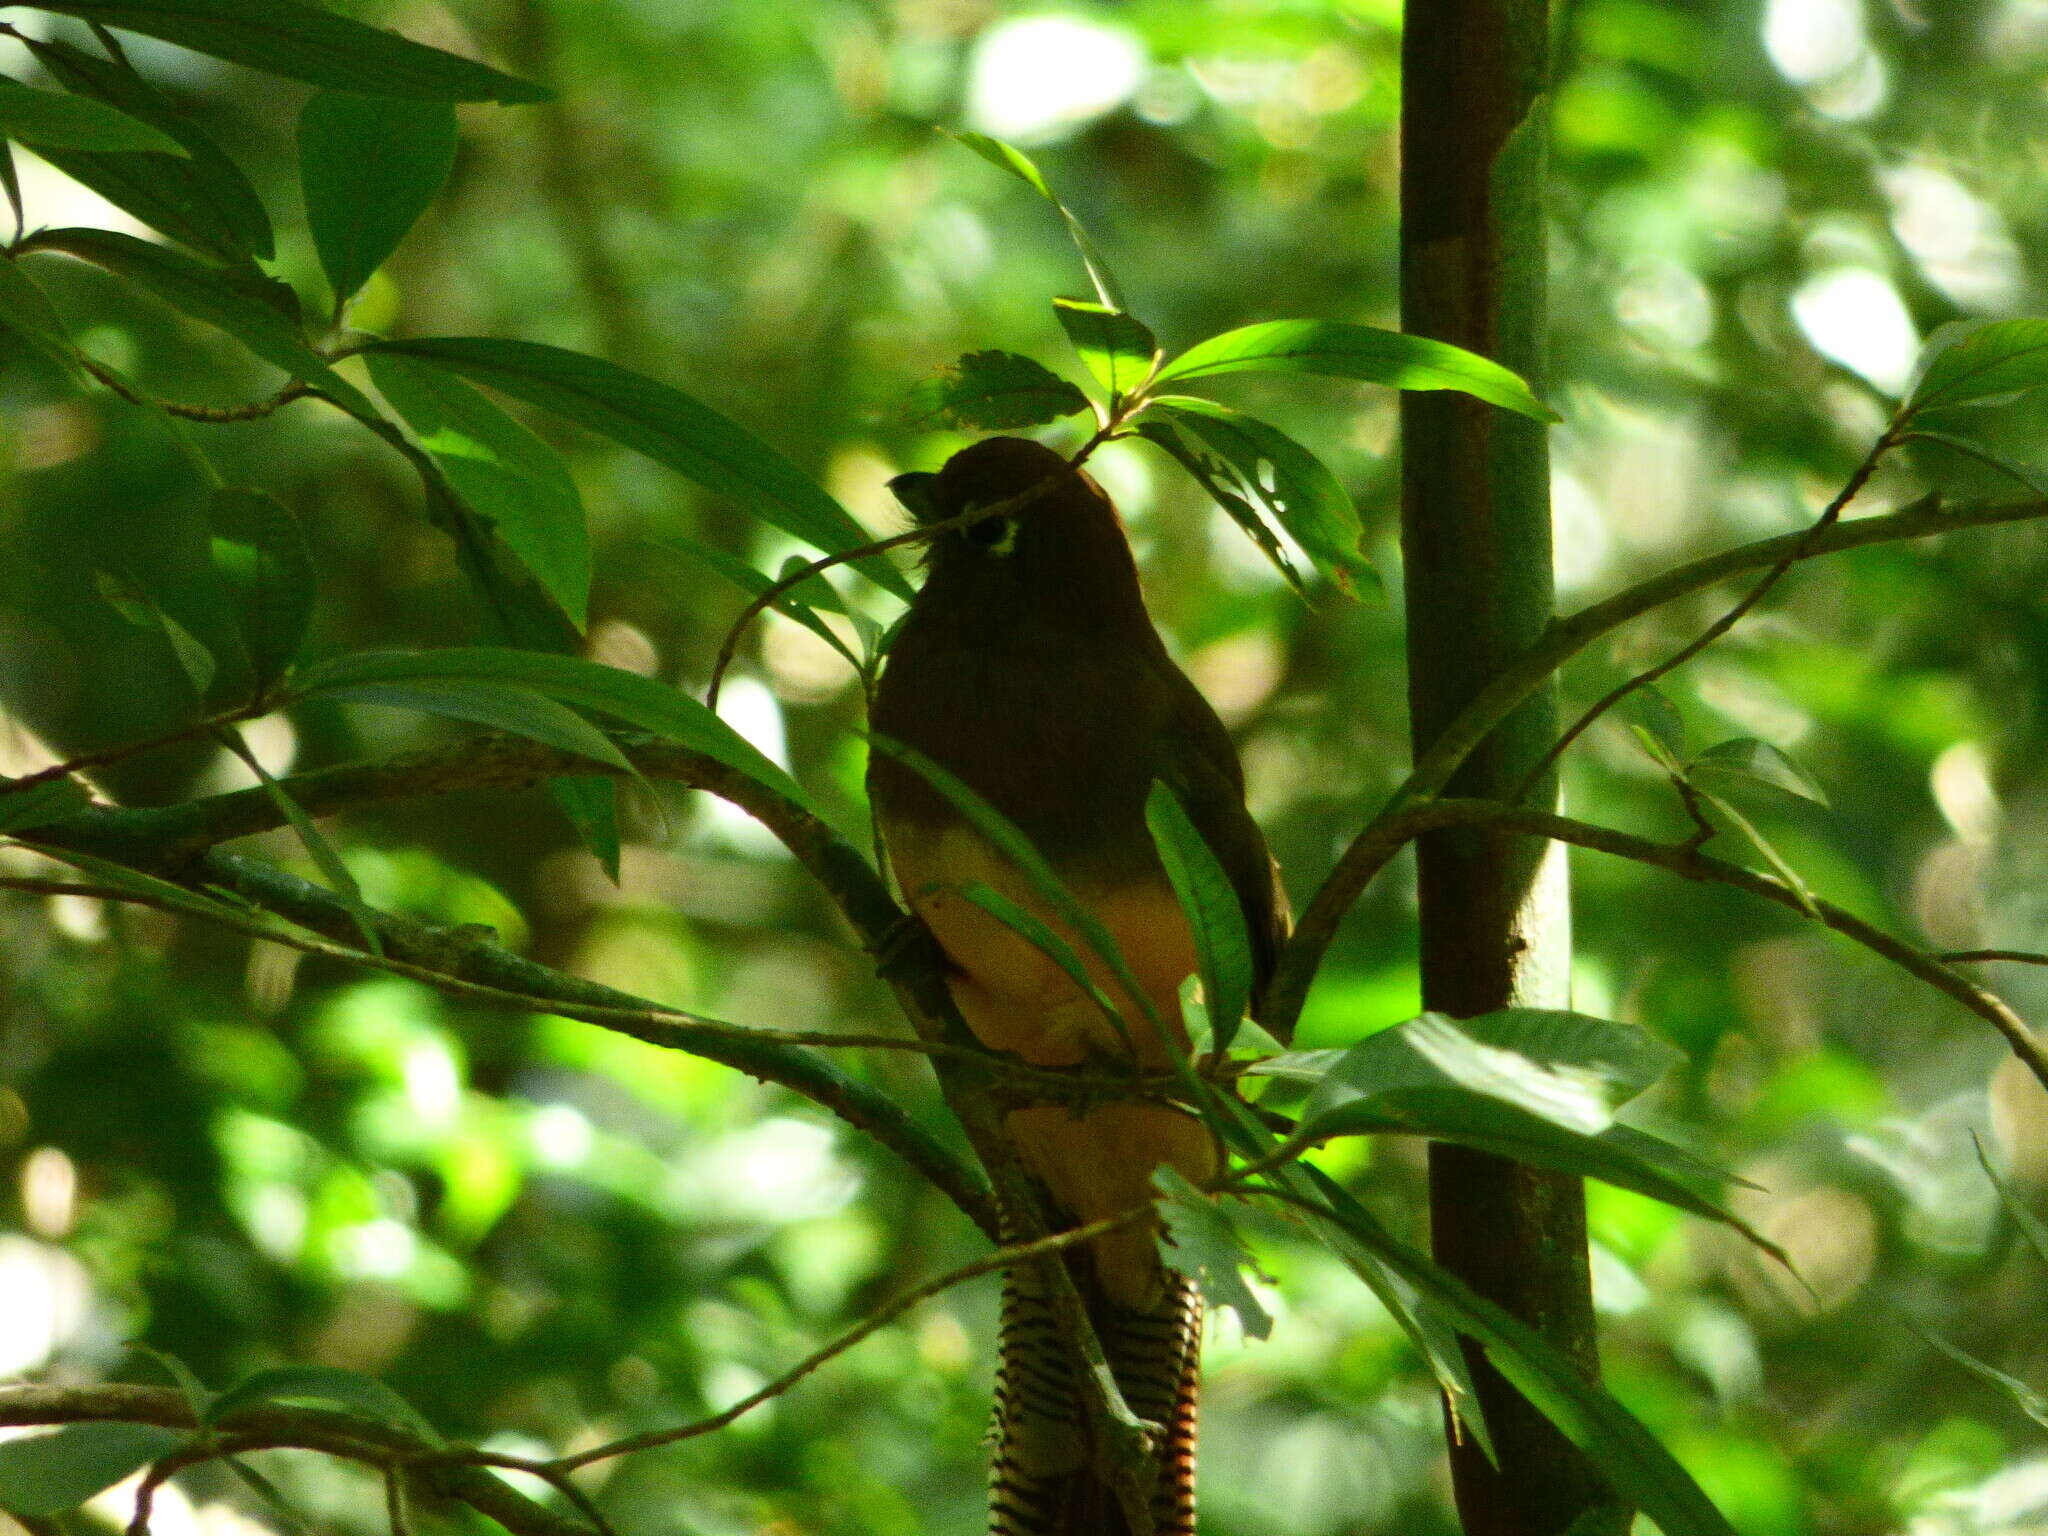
[(369, 166), (666, 425), (1203, 1243), (1009, 158), (1220, 480), (992, 391), (306, 42), (2005, 357), (1337, 349), (1118, 349), (44, 1475), (56, 120), (502, 469)]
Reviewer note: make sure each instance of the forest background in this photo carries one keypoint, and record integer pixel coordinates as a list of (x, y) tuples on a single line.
[(543, 1234)]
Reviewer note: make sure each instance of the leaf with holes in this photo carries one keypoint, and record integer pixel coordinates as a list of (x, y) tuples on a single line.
[(1203, 1243), (1221, 481), (993, 392)]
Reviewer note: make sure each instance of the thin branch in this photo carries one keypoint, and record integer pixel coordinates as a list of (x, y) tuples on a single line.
[(1563, 640), (85, 762), (1974, 956), (255, 410), (1002, 1258), (1830, 515)]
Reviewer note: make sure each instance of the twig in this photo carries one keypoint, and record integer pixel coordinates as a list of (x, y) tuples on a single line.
[(1002, 1258), (87, 761), (1973, 956), (294, 389), (1829, 516)]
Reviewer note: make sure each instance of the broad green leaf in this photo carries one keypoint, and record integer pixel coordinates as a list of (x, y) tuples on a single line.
[(1758, 761), (182, 1376), (1651, 711), (627, 696), (61, 121), (1007, 157), (259, 312), (261, 554), (794, 604), (1570, 1069), (518, 710), (1204, 1245), (44, 1475), (591, 805), (1048, 943), (1118, 349), (2002, 358), (1338, 349), (991, 391), (26, 310), (1300, 492), (1218, 479), (2031, 1227), (127, 598), (1982, 453), (305, 42), (1786, 874), (502, 469), (40, 804), (369, 166), (327, 1385), (1640, 1469), (667, 426), (202, 199), (1223, 944)]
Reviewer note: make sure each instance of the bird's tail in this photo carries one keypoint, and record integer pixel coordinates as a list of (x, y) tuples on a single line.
[(1042, 1481)]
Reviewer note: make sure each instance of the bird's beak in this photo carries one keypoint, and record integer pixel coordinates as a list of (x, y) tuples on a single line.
[(914, 490)]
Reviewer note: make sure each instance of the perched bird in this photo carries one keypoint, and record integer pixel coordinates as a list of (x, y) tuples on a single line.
[(1029, 669)]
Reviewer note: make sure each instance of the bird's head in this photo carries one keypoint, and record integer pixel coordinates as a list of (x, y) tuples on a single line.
[(1048, 521)]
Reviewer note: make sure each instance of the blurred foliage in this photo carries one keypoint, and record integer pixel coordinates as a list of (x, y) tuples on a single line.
[(545, 1235)]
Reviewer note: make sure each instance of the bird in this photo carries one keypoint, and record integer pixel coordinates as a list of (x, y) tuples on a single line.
[(1028, 667)]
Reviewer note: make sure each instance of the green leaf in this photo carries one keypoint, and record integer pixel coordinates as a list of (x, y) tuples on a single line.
[(1337, 349), (796, 603), (1007, 157), (1223, 945), (1786, 874), (202, 199), (1570, 1069), (340, 879), (1204, 1245), (1218, 478), (2031, 1227), (629, 697), (259, 312), (127, 598), (502, 469), (60, 121), (2005, 357), (1048, 943), (182, 1376), (2023, 1397), (1118, 349), (43, 1475), (591, 805), (10, 183), (369, 165), (40, 804), (667, 426), (1306, 499), (1631, 1458), (306, 42), (266, 566), (518, 710), (991, 391), (1653, 714), (1759, 762), (26, 310), (327, 1385)]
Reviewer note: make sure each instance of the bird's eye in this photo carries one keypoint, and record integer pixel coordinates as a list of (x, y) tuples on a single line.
[(997, 535)]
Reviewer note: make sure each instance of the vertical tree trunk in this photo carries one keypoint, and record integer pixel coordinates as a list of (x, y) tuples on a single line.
[(1476, 551)]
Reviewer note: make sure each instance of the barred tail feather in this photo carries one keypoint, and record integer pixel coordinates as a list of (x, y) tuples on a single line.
[(1040, 1480)]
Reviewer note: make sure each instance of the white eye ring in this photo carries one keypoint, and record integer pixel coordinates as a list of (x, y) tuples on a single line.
[(996, 535)]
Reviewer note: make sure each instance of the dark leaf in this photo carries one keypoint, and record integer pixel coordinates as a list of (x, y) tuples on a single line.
[(1337, 349), (40, 804), (667, 426), (306, 42), (993, 392), (55, 120), (325, 1384), (518, 710), (25, 310), (43, 1475), (1223, 944), (796, 603), (369, 166), (264, 562)]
